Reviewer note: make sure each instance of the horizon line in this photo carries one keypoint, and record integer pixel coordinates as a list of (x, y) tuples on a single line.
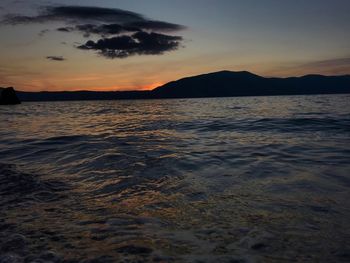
[(149, 90)]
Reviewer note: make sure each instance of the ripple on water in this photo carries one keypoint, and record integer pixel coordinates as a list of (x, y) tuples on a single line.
[(203, 180)]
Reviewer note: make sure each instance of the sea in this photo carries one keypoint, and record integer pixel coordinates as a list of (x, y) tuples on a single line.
[(246, 179)]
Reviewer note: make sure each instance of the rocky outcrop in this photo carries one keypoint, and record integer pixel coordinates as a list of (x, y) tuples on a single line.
[(8, 96)]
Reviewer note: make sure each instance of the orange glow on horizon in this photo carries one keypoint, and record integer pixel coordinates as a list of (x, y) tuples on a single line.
[(113, 88), (38, 86), (147, 87), (144, 80), (152, 86)]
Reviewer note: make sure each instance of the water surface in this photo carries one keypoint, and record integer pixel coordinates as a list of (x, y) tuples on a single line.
[(258, 179)]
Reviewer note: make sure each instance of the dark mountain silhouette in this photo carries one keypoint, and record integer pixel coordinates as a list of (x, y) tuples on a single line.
[(8, 96), (218, 84), (227, 84)]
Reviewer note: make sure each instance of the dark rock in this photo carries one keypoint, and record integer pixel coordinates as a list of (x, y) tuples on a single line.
[(8, 96)]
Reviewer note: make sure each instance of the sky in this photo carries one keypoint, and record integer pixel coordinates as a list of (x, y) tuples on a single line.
[(139, 45)]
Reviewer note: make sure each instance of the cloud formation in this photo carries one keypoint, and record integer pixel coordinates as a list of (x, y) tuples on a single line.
[(56, 58), (122, 33), (140, 43), (114, 29), (74, 14)]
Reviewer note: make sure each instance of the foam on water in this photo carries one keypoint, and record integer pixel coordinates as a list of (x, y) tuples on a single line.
[(261, 179)]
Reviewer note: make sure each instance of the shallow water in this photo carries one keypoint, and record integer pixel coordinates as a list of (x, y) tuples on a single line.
[(258, 179)]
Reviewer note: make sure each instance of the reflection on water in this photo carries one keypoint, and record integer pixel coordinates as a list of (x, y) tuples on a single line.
[(203, 180)]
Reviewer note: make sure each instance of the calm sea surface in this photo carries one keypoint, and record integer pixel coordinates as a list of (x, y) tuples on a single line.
[(258, 179)]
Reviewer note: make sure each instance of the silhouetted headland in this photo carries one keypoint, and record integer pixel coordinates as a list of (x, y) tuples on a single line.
[(217, 84), (8, 96)]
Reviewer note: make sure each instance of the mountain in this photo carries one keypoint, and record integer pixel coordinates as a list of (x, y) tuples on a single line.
[(231, 84), (217, 84)]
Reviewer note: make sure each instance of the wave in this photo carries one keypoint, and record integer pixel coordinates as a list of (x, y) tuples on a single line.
[(285, 125), (17, 187), (176, 180)]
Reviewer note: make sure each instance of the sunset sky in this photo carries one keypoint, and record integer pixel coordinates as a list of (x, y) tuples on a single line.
[(136, 44)]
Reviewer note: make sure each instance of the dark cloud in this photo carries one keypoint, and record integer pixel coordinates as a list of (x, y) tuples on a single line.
[(115, 29), (111, 17), (101, 30), (140, 43), (74, 14), (122, 33), (55, 58)]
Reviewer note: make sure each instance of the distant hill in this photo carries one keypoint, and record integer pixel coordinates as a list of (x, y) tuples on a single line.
[(82, 95), (231, 84), (217, 84)]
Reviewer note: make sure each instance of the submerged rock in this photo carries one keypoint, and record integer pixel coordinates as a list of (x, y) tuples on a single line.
[(8, 96)]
